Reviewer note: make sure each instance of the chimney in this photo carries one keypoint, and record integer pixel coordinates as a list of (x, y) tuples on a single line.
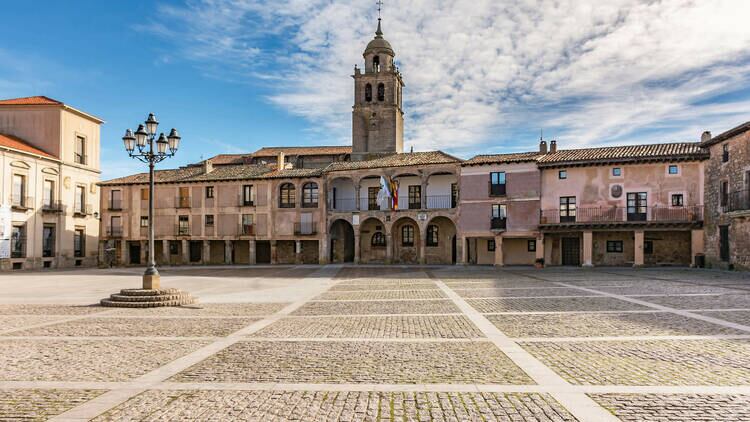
[(552, 146), (208, 166), (280, 158), (542, 147), (706, 136)]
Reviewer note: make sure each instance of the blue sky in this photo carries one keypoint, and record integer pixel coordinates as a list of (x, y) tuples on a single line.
[(481, 76)]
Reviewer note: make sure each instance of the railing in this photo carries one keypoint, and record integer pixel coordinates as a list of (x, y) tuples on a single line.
[(18, 247), (342, 204), (245, 202), (82, 209), (440, 201), (623, 214), (247, 229), (54, 206), (80, 158), (496, 189), (305, 228), (115, 205), (114, 231), (365, 205), (181, 230), (498, 223), (21, 202), (738, 201), (183, 202)]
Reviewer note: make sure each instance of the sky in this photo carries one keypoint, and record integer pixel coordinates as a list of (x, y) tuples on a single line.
[(482, 76)]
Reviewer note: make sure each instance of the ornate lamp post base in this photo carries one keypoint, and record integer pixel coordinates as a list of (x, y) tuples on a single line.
[(151, 281), (148, 298)]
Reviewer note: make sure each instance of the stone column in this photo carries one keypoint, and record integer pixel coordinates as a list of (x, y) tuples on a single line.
[(540, 247), (357, 189), (165, 251), (144, 252), (298, 252), (185, 251), (206, 253), (357, 250), (588, 248), (102, 247), (323, 250), (638, 240), (251, 252), (274, 255), (228, 252), (499, 259), (463, 253), (422, 242), (388, 248), (697, 245), (125, 253)]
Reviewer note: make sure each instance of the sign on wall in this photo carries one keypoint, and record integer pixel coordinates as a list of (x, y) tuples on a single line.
[(6, 226)]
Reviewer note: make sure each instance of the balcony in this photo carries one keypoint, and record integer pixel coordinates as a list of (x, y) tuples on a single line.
[(245, 202), (342, 204), (114, 232), (623, 215), (305, 228), (737, 201), (115, 205), (498, 223), (52, 207), (247, 230), (182, 202), (496, 189), (181, 230), (436, 202), (82, 210), (21, 203)]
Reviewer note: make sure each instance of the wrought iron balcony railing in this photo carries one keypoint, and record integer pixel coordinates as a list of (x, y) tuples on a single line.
[(658, 214), (738, 201), (305, 228)]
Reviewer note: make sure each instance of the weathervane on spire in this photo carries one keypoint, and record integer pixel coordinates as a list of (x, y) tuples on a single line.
[(380, 6)]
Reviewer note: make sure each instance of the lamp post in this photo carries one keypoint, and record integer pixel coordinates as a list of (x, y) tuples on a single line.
[(143, 145)]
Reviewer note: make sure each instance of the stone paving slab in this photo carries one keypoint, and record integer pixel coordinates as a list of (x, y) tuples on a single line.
[(357, 362), (700, 302), (738, 317), (334, 406), (605, 325), (667, 289), (521, 292), (651, 362), (499, 284), (376, 285), (676, 407), (383, 294), (40, 405), (142, 327), (13, 322), (207, 309), (381, 307), (553, 304), (49, 310), (86, 360), (440, 326)]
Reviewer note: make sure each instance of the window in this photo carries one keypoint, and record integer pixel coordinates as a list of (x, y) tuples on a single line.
[(18, 241), (531, 245), (18, 194), (48, 240), (725, 153), (310, 195), (144, 194), (378, 239), (637, 203), (497, 183), (415, 197), (79, 243), (183, 225), (144, 221), (381, 92), (432, 235), (286, 197), (490, 245), (209, 220), (567, 209), (498, 211), (376, 64), (617, 172), (80, 152), (673, 169), (247, 224), (368, 93), (677, 200), (115, 200), (407, 235), (80, 200), (248, 199), (562, 174), (498, 218), (614, 246), (372, 198), (209, 192), (724, 194), (48, 194), (174, 247), (454, 195), (648, 247)]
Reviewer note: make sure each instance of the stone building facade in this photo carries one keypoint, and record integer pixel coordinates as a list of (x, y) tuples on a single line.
[(727, 196), (50, 198)]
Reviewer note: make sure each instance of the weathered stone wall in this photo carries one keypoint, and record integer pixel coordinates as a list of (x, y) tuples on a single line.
[(285, 251), (310, 251), (670, 248), (442, 253), (601, 257)]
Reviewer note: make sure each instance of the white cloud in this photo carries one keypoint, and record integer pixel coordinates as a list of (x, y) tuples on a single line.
[(478, 71)]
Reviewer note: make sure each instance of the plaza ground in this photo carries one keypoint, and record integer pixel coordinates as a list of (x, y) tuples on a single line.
[(380, 344)]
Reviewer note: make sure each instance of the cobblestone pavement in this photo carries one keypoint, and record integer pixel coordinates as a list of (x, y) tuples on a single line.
[(392, 344)]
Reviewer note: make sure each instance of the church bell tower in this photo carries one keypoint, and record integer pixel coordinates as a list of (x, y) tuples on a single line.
[(377, 115)]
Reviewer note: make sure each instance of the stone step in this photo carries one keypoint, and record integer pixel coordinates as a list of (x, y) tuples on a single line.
[(149, 292), (185, 301), (149, 298)]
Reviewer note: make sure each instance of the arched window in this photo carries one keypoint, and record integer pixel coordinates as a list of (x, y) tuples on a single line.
[(286, 196), (407, 235), (376, 64), (378, 239), (381, 92), (310, 195), (368, 93), (432, 235)]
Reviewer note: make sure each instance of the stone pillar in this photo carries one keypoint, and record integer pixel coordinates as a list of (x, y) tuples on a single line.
[(102, 258), (124, 253), (357, 188), (357, 249), (323, 251), (463, 252), (251, 252), (423, 198), (638, 241), (144, 252), (206, 253), (165, 251), (298, 252), (185, 251), (422, 242), (588, 248), (388, 248), (540, 247), (499, 259), (697, 245), (274, 255), (228, 252)]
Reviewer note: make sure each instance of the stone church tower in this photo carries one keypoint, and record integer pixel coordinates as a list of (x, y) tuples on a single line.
[(377, 115)]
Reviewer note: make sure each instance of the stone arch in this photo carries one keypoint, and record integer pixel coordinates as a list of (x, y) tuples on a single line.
[(373, 252), (444, 249), (405, 252), (342, 194), (341, 237)]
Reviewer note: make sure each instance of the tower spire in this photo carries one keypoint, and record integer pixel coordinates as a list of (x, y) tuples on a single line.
[(379, 32)]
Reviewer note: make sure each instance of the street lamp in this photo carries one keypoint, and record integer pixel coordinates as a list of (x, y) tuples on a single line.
[(144, 146)]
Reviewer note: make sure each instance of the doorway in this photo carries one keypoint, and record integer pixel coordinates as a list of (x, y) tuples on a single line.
[(262, 252), (571, 251), (135, 253), (196, 250), (724, 243)]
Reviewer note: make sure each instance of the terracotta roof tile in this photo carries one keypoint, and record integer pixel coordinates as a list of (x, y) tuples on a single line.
[(225, 159), (617, 154), (313, 150), (515, 157), (289, 173), (13, 142), (37, 100), (396, 160)]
